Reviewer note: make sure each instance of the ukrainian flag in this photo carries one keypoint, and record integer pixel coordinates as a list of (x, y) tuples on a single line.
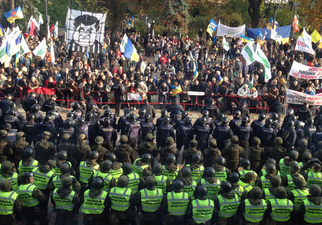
[(175, 90), (2, 32), (212, 26), (7, 56), (130, 52), (246, 39), (14, 14)]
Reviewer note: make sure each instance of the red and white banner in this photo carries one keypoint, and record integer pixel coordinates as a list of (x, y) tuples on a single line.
[(298, 98), (305, 72), (303, 47), (42, 90)]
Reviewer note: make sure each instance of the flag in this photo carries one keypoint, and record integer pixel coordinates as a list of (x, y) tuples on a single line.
[(55, 32), (195, 74), (3, 50), (246, 39), (7, 56), (275, 36), (262, 58), (23, 47), (315, 36), (320, 45), (129, 50), (40, 20), (128, 25), (212, 26), (251, 84), (259, 35), (2, 32), (48, 32), (301, 45), (15, 45), (41, 49), (52, 53), (175, 90), (295, 24), (32, 29), (225, 44), (34, 21), (248, 53), (270, 24), (14, 14)]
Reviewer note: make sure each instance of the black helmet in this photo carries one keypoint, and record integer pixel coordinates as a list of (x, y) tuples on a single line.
[(274, 116), (13, 105), (245, 163), (132, 117), (303, 142), (157, 168), (290, 124), (123, 181), (106, 107), (166, 120), (271, 160), (237, 114), (98, 183), (270, 168), (68, 123), (278, 141), (196, 158), (80, 121), (203, 121), (186, 172), (188, 120), (26, 176), (150, 181), (111, 157), (94, 155), (147, 117), (221, 116), (290, 112), (64, 168), (292, 118), (205, 113), (48, 119), (142, 111), (171, 159), (28, 152), (225, 187), (89, 116), (62, 155), (12, 112), (262, 116), (293, 154), (31, 116), (127, 111), (76, 106), (245, 119), (184, 114), (225, 120), (309, 121), (295, 167), (210, 172), (146, 158), (221, 161), (268, 121), (299, 124), (34, 108), (177, 185), (233, 178), (107, 121), (315, 190), (163, 112), (299, 181), (71, 115), (201, 191), (106, 166), (127, 168), (107, 113)]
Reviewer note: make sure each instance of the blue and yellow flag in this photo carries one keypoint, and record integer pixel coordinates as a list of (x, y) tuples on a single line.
[(2, 32), (175, 90), (7, 56), (14, 14), (212, 26)]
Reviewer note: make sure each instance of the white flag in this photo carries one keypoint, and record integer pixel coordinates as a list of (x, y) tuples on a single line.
[(248, 53), (40, 20), (32, 19), (23, 46), (56, 30), (41, 49), (52, 52), (307, 38), (262, 58), (3, 50), (301, 45), (225, 44)]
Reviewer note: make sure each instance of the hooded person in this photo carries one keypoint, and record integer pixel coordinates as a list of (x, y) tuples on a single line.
[(232, 153), (168, 149), (124, 152), (66, 202), (277, 152), (80, 152), (148, 146), (188, 153), (98, 146), (8, 173), (211, 154), (44, 148), (18, 147)]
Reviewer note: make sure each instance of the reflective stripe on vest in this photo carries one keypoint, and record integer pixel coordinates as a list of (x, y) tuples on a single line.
[(85, 172), (299, 196), (212, 188), (247, 187), (120, 198), (266, 183), (177, 203), (196, 173), (139, 169), (25, 195), (284, 169), (161, 182), (314, 178), (151, 199), (22, 169), (14, 180), (134, 181), (107, 178), (290, 184), (268, 194), (170, 175), (254, 213), (281, 209), (228, 207), (190, 189), (41, 180), (239, 191), (221, 175), (202, 210), (7, 201), (64, 203), (94, 205), (312, 212)]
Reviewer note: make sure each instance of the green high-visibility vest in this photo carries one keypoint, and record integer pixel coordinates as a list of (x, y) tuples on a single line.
[(14, 180), (314, 178), (161, 182), (58, 182), (41, 180), (299, 196), (64, 203), (190, 189), (228, 207), (196, 173), (120, 198), (177, 203), (25, 195), (290, 184), (202, 210), (7, 201), (243, 174), (254, 213), (239, 191), (22, 169), (107, 178), (247, 187), (313, 212), (264, 173), (139, 169), (284, 169), (116, 173), (266, 183), (268, 194), (281, 209), (94, 205), (221, 175), (85, 172), (57, 171), (212, 188), (134, 181), (170, 175), (151, 199)]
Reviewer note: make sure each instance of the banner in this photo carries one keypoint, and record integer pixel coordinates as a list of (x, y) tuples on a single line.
[(284, 31), (42, 90), (262, 58), (298, 98), (133, 96), (248, 53), (302, 46), (85, 31), (305, 72), (230, 31)]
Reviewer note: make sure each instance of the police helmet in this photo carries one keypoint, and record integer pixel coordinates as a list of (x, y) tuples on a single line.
[(163, 112), (146, 158), (196, 158), (184, 114), (188, 120), (68, 123), (127, 168), (157, 168), (35, 108), (62, 155), (98, 183), (237, 114), (201, 191), (76, 106), (142, 111), (94, 155), (245, 163), (293, 155), (274, 116), (245, 119), (233, 178), (147, 117), (186, 172), (64, 168), (221, 161), (171, 159), (26, 176), (177, 185), (225, 120), (28, 152), (261, 116), (166, 120), (290, 112), (268, 121), (106, 166), (210, 172), (107, 113), (270, 168), (111, 157), (106, 107), (225, 187), (123, 181), (205, 113)]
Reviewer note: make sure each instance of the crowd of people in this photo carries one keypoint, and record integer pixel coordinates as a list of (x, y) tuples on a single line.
[(140, 169)]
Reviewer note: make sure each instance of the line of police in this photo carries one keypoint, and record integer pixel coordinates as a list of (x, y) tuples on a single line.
[(120, 188)]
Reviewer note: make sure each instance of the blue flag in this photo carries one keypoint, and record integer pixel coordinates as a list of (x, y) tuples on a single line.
[(212, 26), (259, 34)]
